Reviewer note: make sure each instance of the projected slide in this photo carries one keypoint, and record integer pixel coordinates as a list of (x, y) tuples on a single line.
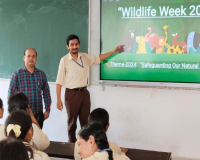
[(161, 40)]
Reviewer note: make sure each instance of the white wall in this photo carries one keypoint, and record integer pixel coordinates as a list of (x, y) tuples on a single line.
[(145, 118), (154, 119)]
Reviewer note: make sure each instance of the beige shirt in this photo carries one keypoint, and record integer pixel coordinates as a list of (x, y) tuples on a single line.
[(2, 134), (113, 146), (72, 75), (104, 156), (40, 139), (37, 155)]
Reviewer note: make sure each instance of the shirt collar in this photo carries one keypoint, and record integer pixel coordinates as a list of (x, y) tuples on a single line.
[(70, 56), (24, 68)]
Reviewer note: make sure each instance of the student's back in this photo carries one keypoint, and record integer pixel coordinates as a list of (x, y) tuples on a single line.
[(19, 101), (1, 108), (2, 135), (104, 156), (18, 125)]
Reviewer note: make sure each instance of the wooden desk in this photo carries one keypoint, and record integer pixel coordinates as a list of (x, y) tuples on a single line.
[(66, 150), (137, 154), (60, 150)]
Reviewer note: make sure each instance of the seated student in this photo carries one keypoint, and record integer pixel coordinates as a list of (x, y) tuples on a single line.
[(1, 116), (19, 101), (19, 125), (93, 144), (1, 109), (101, 116), (13, 149)]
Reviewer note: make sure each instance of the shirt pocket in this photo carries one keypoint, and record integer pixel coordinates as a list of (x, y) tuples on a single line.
[(39, 86)]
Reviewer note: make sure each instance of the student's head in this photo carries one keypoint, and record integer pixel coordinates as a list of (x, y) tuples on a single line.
[(13, 149), (92, 138), (1, 103), (19, 125), (30, 57), (100, 116), (17, 101), (73, 44), (1, 109)]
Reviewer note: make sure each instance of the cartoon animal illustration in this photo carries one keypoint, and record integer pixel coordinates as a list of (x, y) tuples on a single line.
[(190, 40), (196, 41), (194, 52), (128, 41), (161, 44), (155, 41), (193, 41), (148, 48), (141, 44), (149, 34), (165, 49), (172, 49), (134, 48), (183, 44)]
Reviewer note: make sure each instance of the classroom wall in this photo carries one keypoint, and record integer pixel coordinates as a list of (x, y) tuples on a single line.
[(161, 119)]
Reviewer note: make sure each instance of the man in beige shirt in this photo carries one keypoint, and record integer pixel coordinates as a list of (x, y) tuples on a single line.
[(72, 74)]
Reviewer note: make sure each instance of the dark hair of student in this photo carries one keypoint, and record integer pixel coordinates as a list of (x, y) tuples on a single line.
[(95, 129), (71, 37), (23, 119), (13, 149), (17, 101), (32, 49), (1, 103), (100, 116)]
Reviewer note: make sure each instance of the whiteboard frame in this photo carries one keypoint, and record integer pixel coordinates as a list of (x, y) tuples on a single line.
[(150, 84), (143, 83)]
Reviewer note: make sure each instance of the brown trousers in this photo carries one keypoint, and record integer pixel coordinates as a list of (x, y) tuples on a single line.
[(77, 104)]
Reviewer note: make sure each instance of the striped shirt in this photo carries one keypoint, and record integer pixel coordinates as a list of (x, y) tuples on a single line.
[(34, 85)]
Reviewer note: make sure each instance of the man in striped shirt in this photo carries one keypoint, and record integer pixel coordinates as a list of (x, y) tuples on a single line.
[(33, 83)]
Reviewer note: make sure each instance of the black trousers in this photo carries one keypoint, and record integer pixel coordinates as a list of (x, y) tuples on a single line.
[(39, 116)]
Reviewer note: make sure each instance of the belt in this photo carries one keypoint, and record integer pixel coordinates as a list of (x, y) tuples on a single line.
[(80, 89)]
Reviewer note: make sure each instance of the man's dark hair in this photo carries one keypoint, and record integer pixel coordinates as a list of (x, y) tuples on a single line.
[(100, 116), (1, 103), (17, 101), (71, 37), (32, 49)]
